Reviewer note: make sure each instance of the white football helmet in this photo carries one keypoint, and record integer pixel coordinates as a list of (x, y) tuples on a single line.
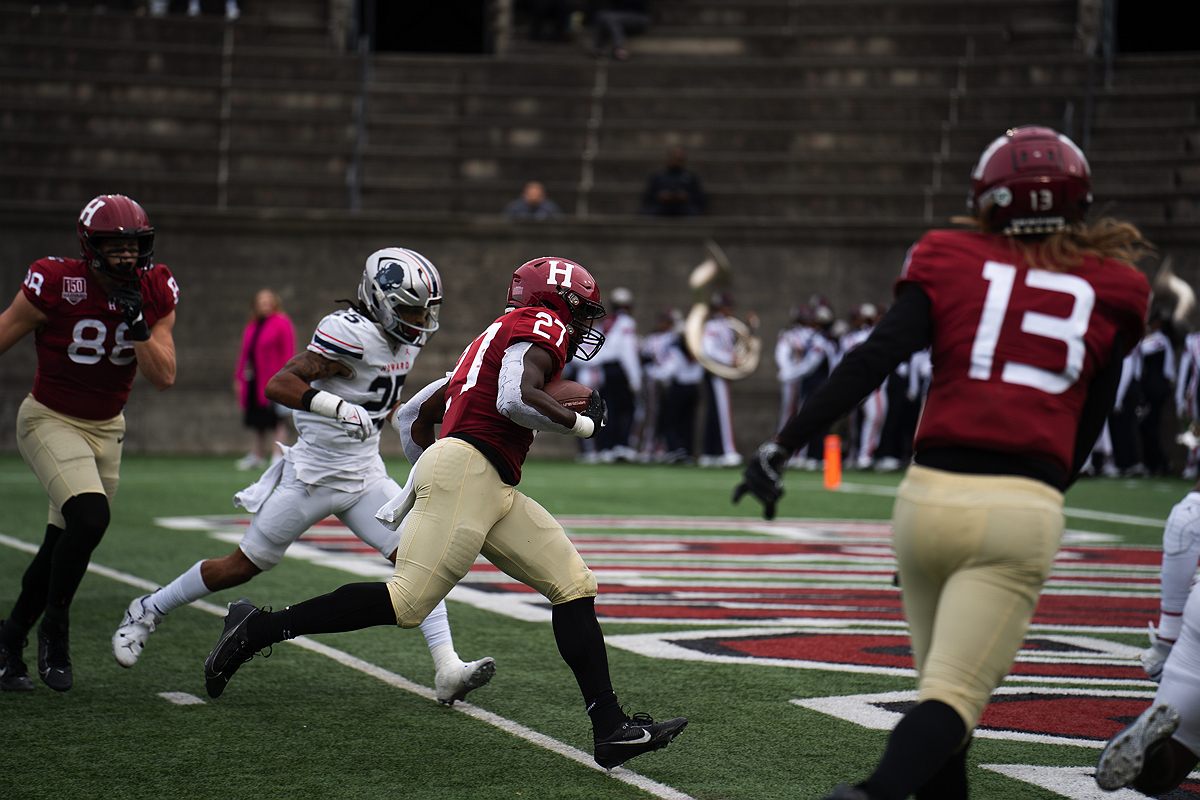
[(402, 291)]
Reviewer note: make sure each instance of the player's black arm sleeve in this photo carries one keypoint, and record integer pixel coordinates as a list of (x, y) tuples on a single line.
[(1102, 392), (905, 329)]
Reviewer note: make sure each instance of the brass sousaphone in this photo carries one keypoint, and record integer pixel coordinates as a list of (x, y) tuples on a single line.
[(710, 275)]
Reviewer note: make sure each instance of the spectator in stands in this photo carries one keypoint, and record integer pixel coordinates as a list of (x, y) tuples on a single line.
[(268, 342), (674, 191), (614, 20), (549, 20), (533, 204), (194, 8)]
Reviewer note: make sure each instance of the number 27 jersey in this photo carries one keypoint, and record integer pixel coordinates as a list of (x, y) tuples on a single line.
[(1015, 348)]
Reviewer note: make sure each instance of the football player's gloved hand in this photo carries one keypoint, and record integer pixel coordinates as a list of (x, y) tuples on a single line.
[(355, 420), (597, 411), (1155, 656), (763, 476), (128, 298)]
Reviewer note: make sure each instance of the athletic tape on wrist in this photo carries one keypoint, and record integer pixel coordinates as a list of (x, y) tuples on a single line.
[(584, 426), (325, 404)]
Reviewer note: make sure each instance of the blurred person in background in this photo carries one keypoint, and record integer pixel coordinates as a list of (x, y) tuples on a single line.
[(533, 204), (621, 377), (1158, 380), (719, 447), (614, 20), (674, 191), (268, 341)]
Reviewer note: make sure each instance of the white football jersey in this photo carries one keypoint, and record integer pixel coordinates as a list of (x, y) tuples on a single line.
[(325, 453)]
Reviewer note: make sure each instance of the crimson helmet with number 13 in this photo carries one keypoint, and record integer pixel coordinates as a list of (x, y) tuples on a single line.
[(567, 289), (1031, 180), (115, 216)]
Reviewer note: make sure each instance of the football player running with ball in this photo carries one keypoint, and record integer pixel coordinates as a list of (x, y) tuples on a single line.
[(343, 387), (464, 503), (1029, 316), (96, 322)]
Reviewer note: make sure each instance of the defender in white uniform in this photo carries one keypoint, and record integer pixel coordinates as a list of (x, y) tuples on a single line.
[(343, 388)]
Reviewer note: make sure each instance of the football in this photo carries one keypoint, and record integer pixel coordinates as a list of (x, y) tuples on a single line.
[(569, 394)]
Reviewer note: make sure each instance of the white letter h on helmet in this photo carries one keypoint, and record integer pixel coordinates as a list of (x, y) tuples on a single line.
[(556, 270)]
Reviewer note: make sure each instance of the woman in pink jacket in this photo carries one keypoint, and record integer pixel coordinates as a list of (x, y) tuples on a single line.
[(267, 343)]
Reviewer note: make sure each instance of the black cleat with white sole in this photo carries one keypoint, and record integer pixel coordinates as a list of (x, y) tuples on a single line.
[(232, 650), (54, 660), (639, 735), (14, 675)]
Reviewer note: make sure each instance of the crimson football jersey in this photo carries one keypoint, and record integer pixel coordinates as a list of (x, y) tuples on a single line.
[(1015, 348), (86, 361), (474, 384)]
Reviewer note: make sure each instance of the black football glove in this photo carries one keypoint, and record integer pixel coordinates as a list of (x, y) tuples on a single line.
[(128, 298), (763, 476), (597, 412)]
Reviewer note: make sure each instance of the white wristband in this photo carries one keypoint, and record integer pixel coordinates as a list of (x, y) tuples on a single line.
[(325, 404), (584, 426)]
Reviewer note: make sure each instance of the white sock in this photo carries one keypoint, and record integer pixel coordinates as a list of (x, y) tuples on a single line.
[(185, 589)]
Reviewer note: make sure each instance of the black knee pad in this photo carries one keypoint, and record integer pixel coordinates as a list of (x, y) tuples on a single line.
[(87, 517)]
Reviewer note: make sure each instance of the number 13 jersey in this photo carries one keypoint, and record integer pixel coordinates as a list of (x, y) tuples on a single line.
[(1014, 348)]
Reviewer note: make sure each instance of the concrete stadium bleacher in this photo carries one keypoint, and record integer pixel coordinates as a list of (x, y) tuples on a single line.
[(788, 109)]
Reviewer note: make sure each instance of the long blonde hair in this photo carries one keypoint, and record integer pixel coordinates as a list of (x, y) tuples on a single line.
[(1064, 249)]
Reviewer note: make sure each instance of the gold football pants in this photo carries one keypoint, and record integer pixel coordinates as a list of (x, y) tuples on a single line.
[(974, 551), (70, 456), (463, 509)]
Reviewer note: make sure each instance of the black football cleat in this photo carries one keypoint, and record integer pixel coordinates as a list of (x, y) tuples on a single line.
[(54, 660), (636, 736), (232, 650), (14, 675)]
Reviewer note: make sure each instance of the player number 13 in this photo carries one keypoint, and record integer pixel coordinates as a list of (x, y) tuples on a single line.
[(1070, 330)]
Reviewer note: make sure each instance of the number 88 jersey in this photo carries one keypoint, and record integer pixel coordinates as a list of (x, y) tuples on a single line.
[(1014, 348), (377, 374), (86, 360)]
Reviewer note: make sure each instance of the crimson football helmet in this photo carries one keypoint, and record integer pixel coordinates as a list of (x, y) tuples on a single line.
[(402, 291), (567, 289), (115, 216), (1031, 180)]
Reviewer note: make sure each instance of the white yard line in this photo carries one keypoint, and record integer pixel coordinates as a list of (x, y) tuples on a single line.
[(400, 682)]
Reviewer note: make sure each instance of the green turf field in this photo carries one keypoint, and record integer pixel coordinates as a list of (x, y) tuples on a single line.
[(303, 724)]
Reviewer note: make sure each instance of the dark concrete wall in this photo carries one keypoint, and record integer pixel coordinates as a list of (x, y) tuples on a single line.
[(221, 259)]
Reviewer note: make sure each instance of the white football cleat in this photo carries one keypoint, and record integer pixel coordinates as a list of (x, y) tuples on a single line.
[(1154, 656), (454, 681), (1125, 754), (130, 639)]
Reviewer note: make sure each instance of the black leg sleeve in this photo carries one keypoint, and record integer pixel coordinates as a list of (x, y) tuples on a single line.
[(349, 608), (919, 745), (87, 518), (35, 585)]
